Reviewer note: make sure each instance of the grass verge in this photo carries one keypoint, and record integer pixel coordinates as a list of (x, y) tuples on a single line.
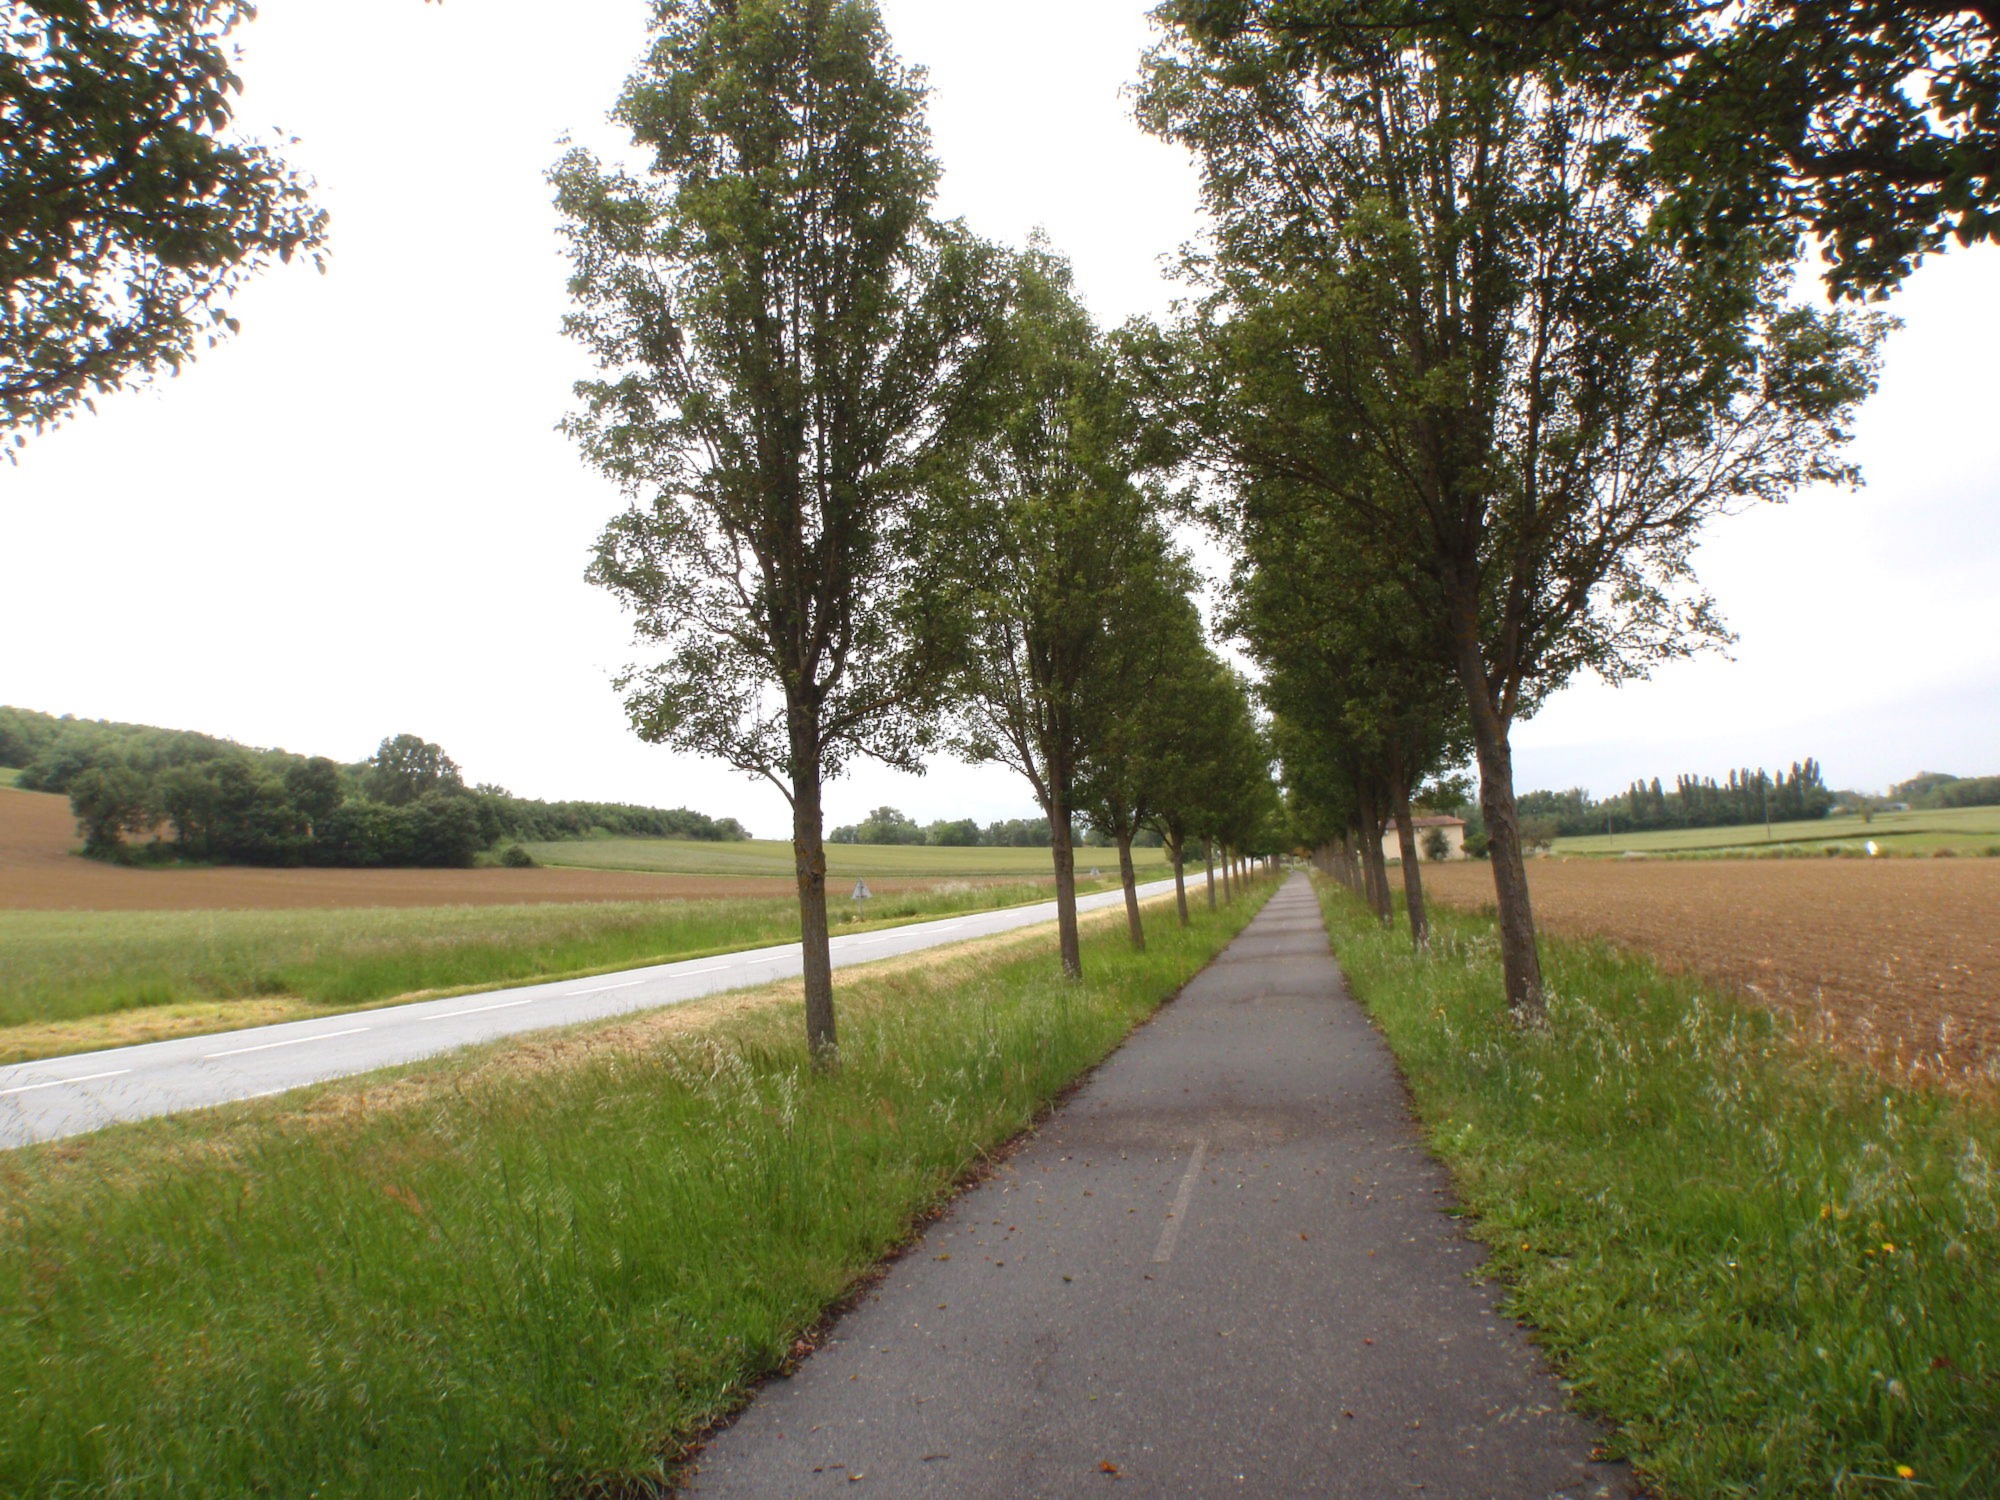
[(1773, 1271), (69, 966), (534, 1270)]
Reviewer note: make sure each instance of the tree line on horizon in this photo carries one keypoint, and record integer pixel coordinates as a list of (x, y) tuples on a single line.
[(891, 826), (405, 806), (1746, 796)]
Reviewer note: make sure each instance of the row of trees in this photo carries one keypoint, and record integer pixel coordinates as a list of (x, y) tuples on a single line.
[(892, 491), (1695, 802), (1466, 400), (1939, 789), (889, 825), (408, 804)]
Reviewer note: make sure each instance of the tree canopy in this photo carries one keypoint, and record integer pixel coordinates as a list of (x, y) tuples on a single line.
[(129, 212), (785, 334), (1872, 126)]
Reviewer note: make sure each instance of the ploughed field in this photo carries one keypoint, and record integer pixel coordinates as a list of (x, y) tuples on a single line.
[(1896, 959)]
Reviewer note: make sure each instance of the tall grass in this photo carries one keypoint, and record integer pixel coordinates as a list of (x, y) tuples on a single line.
[(1773, 1270), (58, 966), (522, 1280)]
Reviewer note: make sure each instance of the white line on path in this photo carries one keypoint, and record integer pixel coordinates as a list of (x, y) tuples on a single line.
[(1165, 1251), (481, 1009), (56, 1083), (297, 1041), (604, 988)]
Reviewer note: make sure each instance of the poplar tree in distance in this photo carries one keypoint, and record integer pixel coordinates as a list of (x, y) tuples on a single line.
[(783, 334)]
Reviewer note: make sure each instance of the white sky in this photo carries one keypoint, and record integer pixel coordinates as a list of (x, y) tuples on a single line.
[(356, 519)]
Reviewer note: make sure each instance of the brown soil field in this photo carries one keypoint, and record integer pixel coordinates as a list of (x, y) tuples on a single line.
[(1897, 960), (39, 873)]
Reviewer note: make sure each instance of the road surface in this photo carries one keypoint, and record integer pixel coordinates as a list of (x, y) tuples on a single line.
[(63, 1096), (1225, 1267)]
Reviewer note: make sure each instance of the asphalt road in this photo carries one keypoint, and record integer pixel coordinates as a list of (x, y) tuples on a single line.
[(1225, 1267), (63, 1096)]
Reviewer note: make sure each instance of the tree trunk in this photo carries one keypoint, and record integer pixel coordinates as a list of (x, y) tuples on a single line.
[(1413, 879), (1519, 958), (1228, 890), (1062, 845), (1372, 858), (1208, 859), (1130, 881), (809, 860), (1177, 848)]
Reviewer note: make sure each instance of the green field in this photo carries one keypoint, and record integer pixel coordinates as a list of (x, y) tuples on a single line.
[(1768, 1268), (843, 861), (523, 1272), (9, 775), (63, 966), (1962, 830)]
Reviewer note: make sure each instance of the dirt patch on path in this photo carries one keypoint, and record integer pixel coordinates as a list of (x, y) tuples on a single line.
[(1898, 960), (39, 873)]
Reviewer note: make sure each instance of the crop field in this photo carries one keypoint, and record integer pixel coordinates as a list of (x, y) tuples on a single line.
[(844, 862), (1897, 960), (1962, 830), (39, 872)]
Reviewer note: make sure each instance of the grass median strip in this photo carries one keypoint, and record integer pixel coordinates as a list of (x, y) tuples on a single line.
[(1772, 1269), (78, 981), (532, 1270)]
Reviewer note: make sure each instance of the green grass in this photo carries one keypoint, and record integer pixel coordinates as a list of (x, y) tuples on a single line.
[(520, 1283), (1962, 830), (844, 862), (66, 965), (9, 775), (1772, 1270)]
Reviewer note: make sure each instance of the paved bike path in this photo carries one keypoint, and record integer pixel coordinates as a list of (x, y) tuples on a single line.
[(1225, 1267)]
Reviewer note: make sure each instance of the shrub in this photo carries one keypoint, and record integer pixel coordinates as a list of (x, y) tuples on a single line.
[(514, 857)]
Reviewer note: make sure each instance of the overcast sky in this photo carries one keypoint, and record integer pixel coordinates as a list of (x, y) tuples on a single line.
[(357, 519)]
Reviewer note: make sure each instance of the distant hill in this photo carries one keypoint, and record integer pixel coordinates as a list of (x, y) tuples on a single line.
[(199, 797)]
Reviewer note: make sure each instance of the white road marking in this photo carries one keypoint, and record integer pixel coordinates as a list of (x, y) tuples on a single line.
[(1165, 1250), (56, 1083), (297, 1041), (481, 1009), (603, 989), (711, 969)]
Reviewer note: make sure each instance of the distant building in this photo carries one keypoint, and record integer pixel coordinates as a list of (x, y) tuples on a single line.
[(1453, 830)]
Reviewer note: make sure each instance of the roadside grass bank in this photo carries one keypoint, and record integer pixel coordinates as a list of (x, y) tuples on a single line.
[(844, 862), (67, 967), (534, 1270), (1775, 1272)]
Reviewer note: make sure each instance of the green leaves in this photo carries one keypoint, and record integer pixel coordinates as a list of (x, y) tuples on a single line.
[(127, 215), (785, 337)]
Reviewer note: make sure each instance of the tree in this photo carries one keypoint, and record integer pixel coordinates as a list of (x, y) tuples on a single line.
[(1052, 530), (1150, 644), (405, 767), (1871, 125), (785, 336), (1435, 304), (128, 212), (109, 802), (887, 825)]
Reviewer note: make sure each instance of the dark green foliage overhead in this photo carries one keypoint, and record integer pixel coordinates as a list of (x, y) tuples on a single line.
[(1872, 126), (128, 210)]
